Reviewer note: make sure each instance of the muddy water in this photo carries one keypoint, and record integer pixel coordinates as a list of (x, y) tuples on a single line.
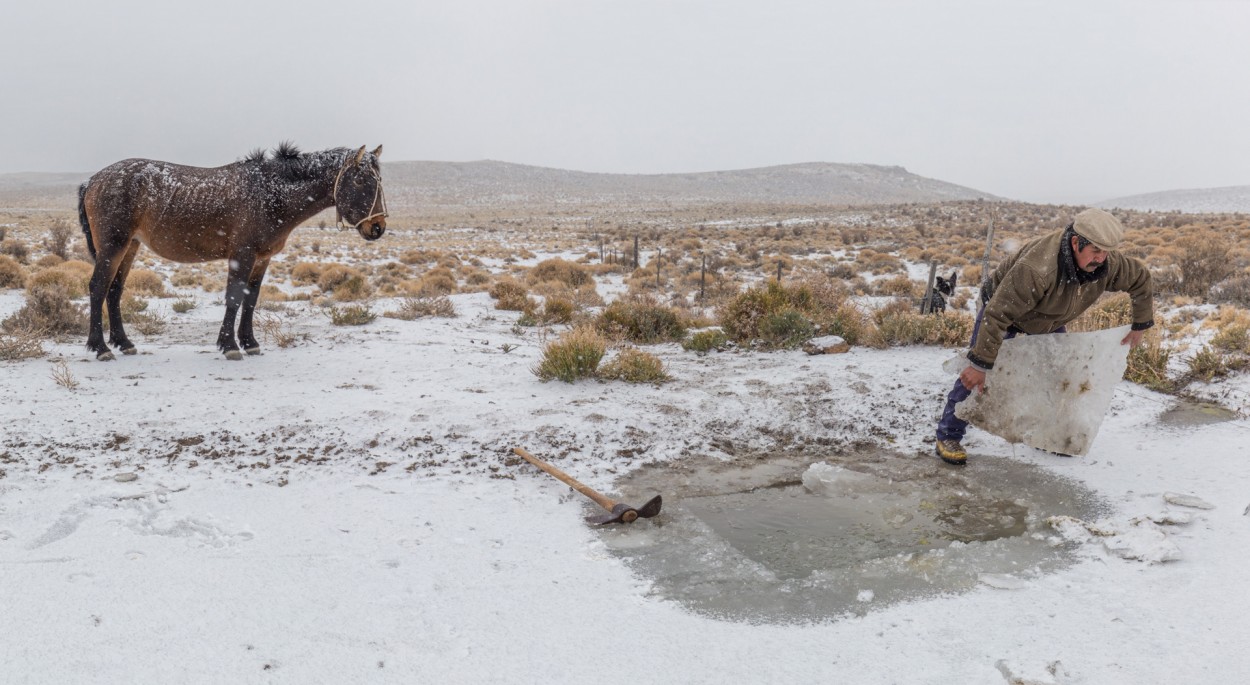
[(747, 540), (1192, 413)]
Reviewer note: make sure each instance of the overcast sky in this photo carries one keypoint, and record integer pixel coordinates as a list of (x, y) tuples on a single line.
[(1053, 101)]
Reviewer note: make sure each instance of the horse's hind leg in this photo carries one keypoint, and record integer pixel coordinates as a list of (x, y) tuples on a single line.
[(117, 334), (246, 337), (108, 259)]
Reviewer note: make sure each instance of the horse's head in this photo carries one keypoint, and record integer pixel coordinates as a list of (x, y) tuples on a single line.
[(358, 194)]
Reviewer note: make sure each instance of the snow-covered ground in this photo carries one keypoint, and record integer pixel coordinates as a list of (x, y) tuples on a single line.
[(347, 510)]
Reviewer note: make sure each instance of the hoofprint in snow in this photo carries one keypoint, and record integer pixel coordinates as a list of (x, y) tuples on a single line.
[(347, 510)]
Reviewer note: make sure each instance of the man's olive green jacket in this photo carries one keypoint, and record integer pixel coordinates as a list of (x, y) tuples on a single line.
[(1038, 290)]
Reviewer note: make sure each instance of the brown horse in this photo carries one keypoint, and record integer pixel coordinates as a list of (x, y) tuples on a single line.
[(242, 212)]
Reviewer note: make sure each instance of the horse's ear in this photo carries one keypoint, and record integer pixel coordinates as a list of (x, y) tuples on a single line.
[(378, 152), (360, 154)]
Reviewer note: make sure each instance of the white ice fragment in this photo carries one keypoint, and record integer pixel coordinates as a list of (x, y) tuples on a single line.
[(1143, 541), (1172, 518), (955, 364), (1187, 501), (1050, 392), (1002, 581), (865, 596), (823, 478), (1069, 528), (125, 477)]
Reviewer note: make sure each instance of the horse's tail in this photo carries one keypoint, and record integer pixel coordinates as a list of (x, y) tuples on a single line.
[(82, 218)]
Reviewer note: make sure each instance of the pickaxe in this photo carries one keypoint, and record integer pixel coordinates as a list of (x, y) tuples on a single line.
[(618, 512)]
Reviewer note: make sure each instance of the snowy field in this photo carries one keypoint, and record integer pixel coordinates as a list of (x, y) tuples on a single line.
[(347, 510)]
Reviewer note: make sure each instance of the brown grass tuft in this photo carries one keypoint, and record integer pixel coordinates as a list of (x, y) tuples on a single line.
[(574, 355)]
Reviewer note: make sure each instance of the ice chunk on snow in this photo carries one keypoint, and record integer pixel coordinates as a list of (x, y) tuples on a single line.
[(1187, 501), (1143, 541), (1050, 391), (823, 478), (1002, 581), (865, 596)]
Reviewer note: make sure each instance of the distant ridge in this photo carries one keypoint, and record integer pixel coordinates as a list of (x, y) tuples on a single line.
[(418, 185), (492, 182), (1195, 201)]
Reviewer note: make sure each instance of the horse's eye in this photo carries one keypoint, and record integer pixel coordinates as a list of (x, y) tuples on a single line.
[(358, 181)]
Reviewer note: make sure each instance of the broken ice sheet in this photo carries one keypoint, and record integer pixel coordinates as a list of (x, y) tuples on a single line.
[(1050, 392), (1187, 501), (1143, 541), (1002, 581)]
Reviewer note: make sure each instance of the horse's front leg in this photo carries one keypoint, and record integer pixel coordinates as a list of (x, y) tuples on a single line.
[(246, 338), (236, 292)]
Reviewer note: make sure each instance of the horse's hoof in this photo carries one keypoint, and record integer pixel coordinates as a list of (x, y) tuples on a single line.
[(234, 355), (105, 356), (252, 351), (130, 350)]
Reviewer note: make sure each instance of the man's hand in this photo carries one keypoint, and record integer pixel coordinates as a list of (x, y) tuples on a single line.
[(973, 378), (1134, 338)]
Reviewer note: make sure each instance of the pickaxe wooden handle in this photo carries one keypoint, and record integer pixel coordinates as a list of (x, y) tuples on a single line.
[(618, 512)]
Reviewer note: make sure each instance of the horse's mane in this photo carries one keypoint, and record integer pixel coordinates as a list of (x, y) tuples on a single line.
[(288, 162)]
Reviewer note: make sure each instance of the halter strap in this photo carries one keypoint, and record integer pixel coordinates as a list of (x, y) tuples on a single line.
[(378, 194)]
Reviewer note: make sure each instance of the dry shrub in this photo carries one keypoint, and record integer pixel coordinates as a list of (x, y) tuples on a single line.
[(570, 273), (435, 282), (58, 238), (306, 273), (899, 324), (475, 278), (510, 295), (744, 316), (352, 315), (703, 342), (420, 256), (574, 355), (416, 307), (48, 261), (353, 289), (21, 343), (1233, 337), (334, 275), (582, 296), (1208, 364), (1203, 261), (65, 277), (641, 320), (185, 277), (48, 309), (1234, 290), (182, 306), (276, 332), (1111, 310), (272, 293), (15, 249), (1148, 364), (12, 275), (898, 286), (145, 282), (635, 366)]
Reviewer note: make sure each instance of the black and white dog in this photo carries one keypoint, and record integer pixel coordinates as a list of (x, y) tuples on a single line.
[(942, 289)]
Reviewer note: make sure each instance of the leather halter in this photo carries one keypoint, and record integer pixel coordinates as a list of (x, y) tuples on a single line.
[(378, 196)]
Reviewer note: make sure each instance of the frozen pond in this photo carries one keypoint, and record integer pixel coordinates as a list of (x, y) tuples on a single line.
[(792, 539)]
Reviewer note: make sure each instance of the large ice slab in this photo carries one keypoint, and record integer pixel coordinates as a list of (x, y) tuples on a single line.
[(1050, 391)]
